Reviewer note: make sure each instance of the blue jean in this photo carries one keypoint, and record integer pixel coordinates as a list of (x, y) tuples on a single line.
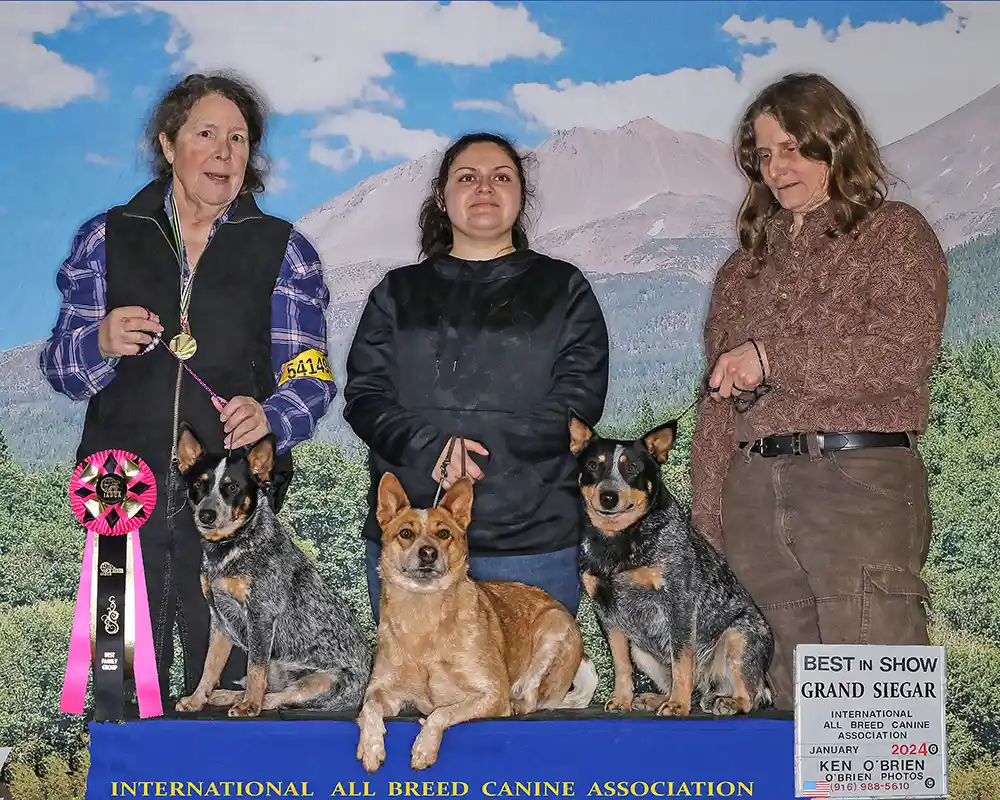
[(556, 573)]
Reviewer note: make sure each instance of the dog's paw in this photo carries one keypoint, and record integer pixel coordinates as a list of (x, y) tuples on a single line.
[(523, 687), (620, 701), (245, 708), (225, 697), (371, 752), (726, 707), (674, 708), (649, 701), (523, 696), (519, 708), (194, 702), (425, 748)]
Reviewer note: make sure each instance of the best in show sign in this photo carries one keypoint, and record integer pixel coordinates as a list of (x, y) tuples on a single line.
[(870, 721)]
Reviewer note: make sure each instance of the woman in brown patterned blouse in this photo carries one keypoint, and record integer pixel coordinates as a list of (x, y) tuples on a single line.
[(821, 336)]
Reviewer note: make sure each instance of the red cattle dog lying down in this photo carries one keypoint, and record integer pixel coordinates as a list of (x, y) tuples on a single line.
[(454, 648)]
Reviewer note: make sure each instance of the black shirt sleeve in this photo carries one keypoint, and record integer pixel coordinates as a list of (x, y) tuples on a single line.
[(580, 380), (371, 408)]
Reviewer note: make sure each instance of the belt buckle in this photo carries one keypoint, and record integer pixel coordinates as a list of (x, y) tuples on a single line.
[(796, 444), (759, 444)]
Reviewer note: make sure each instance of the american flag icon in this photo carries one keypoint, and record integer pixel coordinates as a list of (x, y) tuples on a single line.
[(816, 788)]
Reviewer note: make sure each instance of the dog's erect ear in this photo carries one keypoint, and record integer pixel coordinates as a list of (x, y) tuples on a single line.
[(580, 433), (457, 501), (392, 499), (189, 449), (659, 440), (261, 458)]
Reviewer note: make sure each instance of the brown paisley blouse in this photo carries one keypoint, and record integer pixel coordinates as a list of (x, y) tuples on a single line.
[(852, 328)]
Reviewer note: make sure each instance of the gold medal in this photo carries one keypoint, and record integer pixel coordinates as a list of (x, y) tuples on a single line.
[(183, 345)]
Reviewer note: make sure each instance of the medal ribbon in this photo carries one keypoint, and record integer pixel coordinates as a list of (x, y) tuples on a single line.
[(188, 282), (187, 286)]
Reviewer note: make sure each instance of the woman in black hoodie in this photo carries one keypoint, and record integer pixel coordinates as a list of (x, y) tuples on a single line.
[(488, 343)]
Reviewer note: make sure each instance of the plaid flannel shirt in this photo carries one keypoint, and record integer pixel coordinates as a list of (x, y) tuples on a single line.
[(72, 362)]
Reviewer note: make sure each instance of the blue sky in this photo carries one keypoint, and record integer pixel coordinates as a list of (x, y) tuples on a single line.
[(68, 157)]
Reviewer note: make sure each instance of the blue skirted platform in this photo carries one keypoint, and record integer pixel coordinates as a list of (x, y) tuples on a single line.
[(564, 754)]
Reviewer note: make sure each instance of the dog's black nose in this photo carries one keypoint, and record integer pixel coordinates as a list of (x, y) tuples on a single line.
[(427, 555), (609, 500), (206, 516)]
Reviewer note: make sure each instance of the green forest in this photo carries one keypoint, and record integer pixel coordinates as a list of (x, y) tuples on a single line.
[(41, 548)]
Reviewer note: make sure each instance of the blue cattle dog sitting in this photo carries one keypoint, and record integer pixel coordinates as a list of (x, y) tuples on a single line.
[(660, 589), (305, 648)]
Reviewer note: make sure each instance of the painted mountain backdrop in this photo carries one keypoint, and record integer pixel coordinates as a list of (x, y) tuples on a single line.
[(646, 211)]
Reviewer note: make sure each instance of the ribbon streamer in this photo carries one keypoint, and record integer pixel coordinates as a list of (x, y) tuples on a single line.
[(112, 493), (194, 375)]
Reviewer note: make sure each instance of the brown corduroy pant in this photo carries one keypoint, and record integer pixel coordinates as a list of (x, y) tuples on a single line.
[(831, 547)]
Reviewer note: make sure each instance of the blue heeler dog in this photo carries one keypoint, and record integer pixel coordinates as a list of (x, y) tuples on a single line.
[(660, 590), (305, 648)]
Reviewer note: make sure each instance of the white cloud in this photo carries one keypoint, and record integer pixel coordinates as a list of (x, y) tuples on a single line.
[(101, 161), (904, 76), (32, 77), (109, 9), (307, 57), (337, 160), (277, 182), (369, 133), (313, 57), (333, 57), (493, 106)]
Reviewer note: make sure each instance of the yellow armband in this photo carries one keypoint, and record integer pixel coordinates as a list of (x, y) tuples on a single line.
[(309, 364)]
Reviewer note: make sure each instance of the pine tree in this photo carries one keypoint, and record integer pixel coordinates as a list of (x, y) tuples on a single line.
[(5, 455)]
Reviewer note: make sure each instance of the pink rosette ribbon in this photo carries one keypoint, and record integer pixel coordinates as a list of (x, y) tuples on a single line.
[(112, 494)]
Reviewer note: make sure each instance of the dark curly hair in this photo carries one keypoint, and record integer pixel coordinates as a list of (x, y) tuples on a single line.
[(827, 127), (436, 235), (174, 108)]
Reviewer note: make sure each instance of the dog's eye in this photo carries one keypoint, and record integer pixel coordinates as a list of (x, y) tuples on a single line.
[(443, 533), (592, 465), (632, 468), (406, 533)]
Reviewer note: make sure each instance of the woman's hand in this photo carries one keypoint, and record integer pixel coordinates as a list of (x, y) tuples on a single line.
[(243, 420), (737, 371), (455, 465), (126, 330)]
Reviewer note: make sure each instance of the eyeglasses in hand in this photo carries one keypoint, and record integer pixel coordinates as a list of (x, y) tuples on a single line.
[(745, 399)]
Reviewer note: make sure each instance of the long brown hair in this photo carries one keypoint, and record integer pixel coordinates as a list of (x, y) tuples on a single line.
[(827, 127)]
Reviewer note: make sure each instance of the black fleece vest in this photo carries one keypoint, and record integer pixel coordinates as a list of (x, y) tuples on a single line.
[(230, 317)]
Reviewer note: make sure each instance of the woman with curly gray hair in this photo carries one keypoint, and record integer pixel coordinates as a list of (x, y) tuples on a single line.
[(190, 274)]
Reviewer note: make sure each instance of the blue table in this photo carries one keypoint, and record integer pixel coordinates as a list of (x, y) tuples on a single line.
[(571, 754)]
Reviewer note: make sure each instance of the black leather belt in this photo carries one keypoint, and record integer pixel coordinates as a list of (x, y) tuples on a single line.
[(796, 444)]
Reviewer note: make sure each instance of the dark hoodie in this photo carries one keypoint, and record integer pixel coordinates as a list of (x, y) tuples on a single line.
[(496, 351)]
